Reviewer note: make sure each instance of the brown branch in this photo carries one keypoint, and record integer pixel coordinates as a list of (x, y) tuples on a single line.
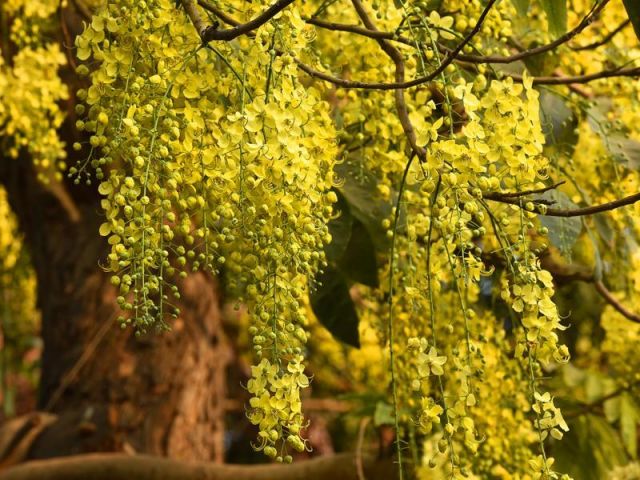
[(194, 15), (574, 212), (564, 273), (474, 31), (605, 40), (212, 33), (584, 23), (340, 82), (398, 60), (398, 85), (72, 373), (559, 80), (611, 300), (145, 467), (229, 20), (567, 273), (502, 195), (590, 407), (82, 9), (376, 35)]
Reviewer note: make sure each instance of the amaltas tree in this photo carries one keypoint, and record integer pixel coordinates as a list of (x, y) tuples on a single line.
[(446, 184)]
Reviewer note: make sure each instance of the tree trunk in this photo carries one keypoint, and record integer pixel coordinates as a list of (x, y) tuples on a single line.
[(160, 394)]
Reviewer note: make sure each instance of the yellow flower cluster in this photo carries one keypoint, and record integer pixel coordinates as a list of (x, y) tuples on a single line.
[(31, 89), (212, 158)]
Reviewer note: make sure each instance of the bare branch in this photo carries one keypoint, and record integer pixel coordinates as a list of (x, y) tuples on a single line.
[(559, 80), (502, 195), (451, 56), (398, 60), (229, 20), (540, 209), (212, 33), (611, 300), (474, 31), (82, 9), (584, 23), (595, 405), (605, 40), (194, 15), (376, 35)]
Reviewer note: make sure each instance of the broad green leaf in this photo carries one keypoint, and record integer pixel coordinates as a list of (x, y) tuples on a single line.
[(332, 305), (633, 11), (556, 11), (383, 414), (563, 232), (622, 148), (522, 6), (340, 229), (558, 121), (595, 443), (541, 64), (629, 417), (360, 189), (359, 260)]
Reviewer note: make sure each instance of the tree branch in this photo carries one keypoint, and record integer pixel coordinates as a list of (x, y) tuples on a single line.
[(398, 85), (146, 467), (211, 33), (398, 60), (611, 300), (194, 15), (605, 40), (376, 35), (541, 209), (614, 72), (590, 407), (501, 195), (584, 23)]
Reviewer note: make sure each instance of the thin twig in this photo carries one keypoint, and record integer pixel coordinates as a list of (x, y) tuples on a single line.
[(559, 80), (194, 15), (376, 35), (498, 195), (229, 20), (398, 60), (611, 300), (82, 9), (451, 56), (590, 407), (540, 209), (81, 362), (212, 33), (605, 40)]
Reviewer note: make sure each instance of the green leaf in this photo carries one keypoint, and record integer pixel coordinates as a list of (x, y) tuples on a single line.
[(629, 417), (332, 305), (556, 11), (563, 232), (359, 260), (383, 414), (522, 6), (633, 11), (340, 229), (592, 440), (360, 189), (622, 148), (558, 121)]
